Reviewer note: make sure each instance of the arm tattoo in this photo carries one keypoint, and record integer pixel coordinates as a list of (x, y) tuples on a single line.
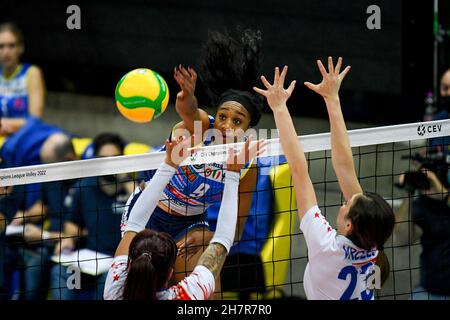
[(213, 258)]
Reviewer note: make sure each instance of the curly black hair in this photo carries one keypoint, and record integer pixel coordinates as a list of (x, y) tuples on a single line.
[(231, 63)]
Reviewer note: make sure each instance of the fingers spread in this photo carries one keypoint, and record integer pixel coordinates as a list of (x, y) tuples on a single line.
[(265, 82), (338, 66), (283, 75), (257, 149), (291, 87), (246, 149), (231, 156), (260, 91), (231, 153), (277, 77), (330, 65), (193, 73), (180, 79), (191, 146), (185, 73), (344, 73), (323, 72), (311, 86)]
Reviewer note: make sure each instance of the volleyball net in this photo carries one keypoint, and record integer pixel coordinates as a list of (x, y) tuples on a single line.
[(63, 219)]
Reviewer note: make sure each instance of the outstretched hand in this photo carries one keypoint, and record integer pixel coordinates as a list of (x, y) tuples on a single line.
[(193, 242), (331, 82), (186, 79), (178, 150), (275, 94), (236, 162)]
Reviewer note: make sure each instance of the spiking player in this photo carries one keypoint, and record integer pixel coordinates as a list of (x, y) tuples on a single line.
[(229, 72), (145, 259)]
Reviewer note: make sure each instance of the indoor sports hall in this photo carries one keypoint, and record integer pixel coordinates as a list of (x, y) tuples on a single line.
[(101, 102)]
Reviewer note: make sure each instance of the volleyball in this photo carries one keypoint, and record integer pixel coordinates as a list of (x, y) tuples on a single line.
[(142, 95)]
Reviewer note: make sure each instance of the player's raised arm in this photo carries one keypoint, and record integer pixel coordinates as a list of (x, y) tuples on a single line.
[(342, 157), (176, 152), (276, 97), (186, 103)]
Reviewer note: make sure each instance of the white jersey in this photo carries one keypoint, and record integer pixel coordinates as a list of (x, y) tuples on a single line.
[(199, 285), (337, 269)]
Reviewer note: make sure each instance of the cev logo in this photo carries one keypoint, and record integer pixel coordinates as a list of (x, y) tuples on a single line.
[(422, 129)]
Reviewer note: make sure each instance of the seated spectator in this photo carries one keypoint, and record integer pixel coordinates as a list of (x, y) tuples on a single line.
[(94, 209), (112, 138), (7, 210), (35, 143), (3, 222), (40, 241), (22, 87)]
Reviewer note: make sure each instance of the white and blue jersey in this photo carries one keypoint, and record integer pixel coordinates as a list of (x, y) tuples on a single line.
[(337, 269), (14, 93), (189, 193), (194, 187)]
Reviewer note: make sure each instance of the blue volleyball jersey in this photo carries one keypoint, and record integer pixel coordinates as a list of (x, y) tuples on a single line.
[(23, 147), (194, 187), (14, 93)]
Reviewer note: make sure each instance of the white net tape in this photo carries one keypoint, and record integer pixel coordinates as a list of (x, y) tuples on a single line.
[(215, 153)]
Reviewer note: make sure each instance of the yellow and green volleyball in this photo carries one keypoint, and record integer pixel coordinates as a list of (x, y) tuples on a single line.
[(142, 95)]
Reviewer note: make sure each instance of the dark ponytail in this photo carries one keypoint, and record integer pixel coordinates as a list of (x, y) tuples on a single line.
[(141, 280), (152, 257), (384, 265)]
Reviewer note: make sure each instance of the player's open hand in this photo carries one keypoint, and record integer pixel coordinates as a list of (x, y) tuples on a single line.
[(186, 79), (193, 242), (179, 149), (236, 162), (275, 94), (331, 82)]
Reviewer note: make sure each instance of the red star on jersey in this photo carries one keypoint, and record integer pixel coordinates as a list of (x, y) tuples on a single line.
[(116, 277), (329, 229), (316, 215)]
